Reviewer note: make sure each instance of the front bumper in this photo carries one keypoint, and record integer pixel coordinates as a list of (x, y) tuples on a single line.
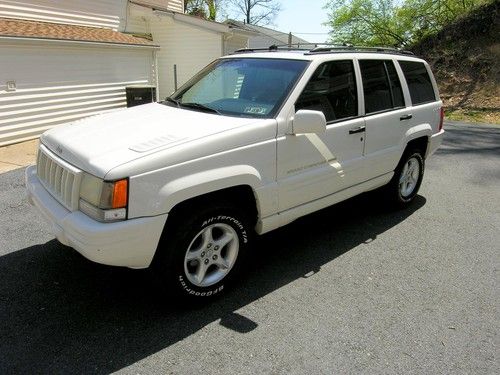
[(130, 243), (434, 142)]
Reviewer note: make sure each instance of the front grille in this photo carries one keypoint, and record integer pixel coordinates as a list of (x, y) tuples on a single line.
[(62, 180)]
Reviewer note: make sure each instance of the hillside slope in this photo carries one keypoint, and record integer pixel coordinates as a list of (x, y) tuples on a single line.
[(465, 58)]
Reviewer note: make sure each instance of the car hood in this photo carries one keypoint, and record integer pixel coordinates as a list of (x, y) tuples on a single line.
[(100, 143)]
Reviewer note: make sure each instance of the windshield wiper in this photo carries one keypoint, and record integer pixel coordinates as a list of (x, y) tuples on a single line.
[(172, 100), (203, 107)]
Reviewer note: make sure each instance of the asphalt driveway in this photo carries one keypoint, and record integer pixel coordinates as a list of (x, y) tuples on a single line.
[(352, 289)]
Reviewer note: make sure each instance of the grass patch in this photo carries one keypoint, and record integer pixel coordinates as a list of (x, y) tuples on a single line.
[(486, 116)]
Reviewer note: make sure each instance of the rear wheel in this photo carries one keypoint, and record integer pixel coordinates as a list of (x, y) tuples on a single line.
[(201, 252), (407, 178)]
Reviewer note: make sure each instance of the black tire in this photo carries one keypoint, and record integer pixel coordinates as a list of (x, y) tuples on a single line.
[(394, 192), (184, 231)]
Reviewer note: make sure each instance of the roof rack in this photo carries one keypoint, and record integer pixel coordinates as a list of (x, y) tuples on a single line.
[(329, 48), (272, 48), (319, 48)]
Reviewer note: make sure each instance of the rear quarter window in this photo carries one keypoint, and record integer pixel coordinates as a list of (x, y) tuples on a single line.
[(419, 82)]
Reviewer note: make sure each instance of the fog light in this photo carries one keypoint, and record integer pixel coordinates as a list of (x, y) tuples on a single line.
[(116, 214)]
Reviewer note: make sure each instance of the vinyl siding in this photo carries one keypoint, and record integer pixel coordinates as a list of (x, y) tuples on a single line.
[(187, 46), (97, 13), (173, 5), (234, 43), (59, 84)]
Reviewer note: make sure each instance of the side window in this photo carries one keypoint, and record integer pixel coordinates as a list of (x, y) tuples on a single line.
[(381, 85), (331, 90), (397, 92), (419, 82)]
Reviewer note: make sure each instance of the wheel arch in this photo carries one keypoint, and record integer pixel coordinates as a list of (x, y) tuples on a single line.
[(234, 184), (418, 138)]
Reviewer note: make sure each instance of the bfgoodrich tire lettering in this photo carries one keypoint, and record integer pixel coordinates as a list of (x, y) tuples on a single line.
[(201, 253)]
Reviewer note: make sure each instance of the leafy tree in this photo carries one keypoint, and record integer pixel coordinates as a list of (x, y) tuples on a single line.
[(391, 23), (208, 9), (256, 12)]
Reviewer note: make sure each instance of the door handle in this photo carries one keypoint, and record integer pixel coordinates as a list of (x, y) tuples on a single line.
[(359, 129), (405, 117)]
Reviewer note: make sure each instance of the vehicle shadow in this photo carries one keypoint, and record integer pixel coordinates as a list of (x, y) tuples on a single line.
[(60, 313)]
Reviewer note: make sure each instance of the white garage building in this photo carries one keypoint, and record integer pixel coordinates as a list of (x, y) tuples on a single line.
[(64, 60), (58, 64), (47, 80)]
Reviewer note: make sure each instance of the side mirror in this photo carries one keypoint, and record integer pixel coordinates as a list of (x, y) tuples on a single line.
[(307, 121)]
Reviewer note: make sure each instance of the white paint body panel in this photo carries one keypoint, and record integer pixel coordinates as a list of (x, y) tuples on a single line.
[(130, 243), (176, 135), (171, 155)]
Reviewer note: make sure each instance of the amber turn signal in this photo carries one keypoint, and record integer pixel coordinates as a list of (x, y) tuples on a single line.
[(120, 192)]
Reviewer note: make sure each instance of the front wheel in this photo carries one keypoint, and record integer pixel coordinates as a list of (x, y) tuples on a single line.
[(201, 253), (407, 179)]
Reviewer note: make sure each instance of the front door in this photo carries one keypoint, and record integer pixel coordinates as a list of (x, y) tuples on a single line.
[(313, 166)]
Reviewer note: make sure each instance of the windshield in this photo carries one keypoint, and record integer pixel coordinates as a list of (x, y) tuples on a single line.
[(247, 87)]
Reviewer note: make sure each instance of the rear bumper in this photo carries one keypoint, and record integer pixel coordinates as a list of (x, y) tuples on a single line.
[(434, 142), (130, 243)]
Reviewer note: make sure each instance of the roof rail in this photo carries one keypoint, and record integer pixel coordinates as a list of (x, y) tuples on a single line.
[(272, 48), (325, 48), (328, 48)]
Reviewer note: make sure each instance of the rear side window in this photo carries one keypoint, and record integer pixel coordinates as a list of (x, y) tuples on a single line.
[(331, 90), (419, 82), (381, 86), (397, 92)]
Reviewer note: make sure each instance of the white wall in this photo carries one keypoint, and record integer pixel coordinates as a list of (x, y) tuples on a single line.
[(234, 42), (173, 5), (185, 45), (61, 83), (98, 13)]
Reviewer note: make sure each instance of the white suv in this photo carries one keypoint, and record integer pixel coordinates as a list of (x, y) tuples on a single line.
[(251, 143)]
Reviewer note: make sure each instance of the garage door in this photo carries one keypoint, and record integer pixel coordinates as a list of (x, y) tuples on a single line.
[(45, 85)]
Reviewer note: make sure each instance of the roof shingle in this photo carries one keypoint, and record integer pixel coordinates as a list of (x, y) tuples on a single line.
[(56, 31)]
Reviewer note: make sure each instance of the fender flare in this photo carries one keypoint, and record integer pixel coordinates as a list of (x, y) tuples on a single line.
[(418, 131), (196, 184)]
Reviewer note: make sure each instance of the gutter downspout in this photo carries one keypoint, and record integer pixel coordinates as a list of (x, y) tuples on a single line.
[(155, 74)]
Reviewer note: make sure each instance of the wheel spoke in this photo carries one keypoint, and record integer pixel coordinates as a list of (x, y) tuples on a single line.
[(404, 173), (415, 173), (193, 255), (201, 271), (224, 240), (222, 263), (206, 237)]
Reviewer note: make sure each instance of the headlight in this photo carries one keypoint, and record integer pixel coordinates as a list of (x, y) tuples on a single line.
[(103, 200)]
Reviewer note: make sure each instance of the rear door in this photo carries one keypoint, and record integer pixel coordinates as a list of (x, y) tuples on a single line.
[(425, 104), (386, 115)]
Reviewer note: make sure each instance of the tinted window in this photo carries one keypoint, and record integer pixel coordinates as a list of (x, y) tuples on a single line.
[(376, 87), (419, 82), (397, 92), (331, 90)]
